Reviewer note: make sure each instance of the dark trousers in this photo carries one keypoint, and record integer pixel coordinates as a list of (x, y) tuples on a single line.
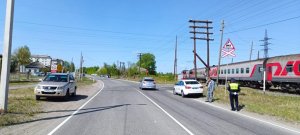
[(234, 100)]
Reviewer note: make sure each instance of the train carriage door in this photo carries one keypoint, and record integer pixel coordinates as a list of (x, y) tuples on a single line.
[(269, 75)]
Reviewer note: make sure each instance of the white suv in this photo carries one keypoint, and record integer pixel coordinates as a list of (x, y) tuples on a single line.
[(56, 85)]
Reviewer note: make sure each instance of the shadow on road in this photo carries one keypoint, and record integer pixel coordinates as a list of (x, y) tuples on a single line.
[(82, 111), (63, 99)]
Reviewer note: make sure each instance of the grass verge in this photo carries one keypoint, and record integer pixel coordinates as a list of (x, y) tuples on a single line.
[(85, 81), (22, 106), (283, 106)]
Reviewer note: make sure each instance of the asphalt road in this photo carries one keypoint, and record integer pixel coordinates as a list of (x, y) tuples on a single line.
[(121, 108)]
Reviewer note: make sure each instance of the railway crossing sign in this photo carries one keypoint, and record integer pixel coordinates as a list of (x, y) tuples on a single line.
[(228, 49)]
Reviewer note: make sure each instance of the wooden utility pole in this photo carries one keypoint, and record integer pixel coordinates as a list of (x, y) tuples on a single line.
[(194, 38), (8, 30), (207, 33), (220, 50), (251, 50), (140, 57), (175, 61)]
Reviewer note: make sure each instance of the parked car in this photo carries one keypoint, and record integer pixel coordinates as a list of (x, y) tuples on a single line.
[(147, 83), (188, 87), (56, 85)]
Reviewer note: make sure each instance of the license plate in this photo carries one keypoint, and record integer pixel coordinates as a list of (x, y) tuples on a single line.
[(195, 88)]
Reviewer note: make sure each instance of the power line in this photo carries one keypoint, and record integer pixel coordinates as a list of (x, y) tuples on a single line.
[(262, 25)]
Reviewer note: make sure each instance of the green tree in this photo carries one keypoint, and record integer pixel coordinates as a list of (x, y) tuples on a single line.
[(22, 56), (148, 62), (13, 64), (102, 71), (72, 67)]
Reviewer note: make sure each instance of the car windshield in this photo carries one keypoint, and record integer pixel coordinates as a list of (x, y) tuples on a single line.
[(191, 82), (56, 78), (149, 80)]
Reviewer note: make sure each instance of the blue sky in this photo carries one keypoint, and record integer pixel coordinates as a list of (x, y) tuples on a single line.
[(111, 31)]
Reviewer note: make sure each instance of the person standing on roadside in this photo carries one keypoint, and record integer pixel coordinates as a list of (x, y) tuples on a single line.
[(234, 89), (210, 89)]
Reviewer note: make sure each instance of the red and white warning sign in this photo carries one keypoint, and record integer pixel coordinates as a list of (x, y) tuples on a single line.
[(228, 49)]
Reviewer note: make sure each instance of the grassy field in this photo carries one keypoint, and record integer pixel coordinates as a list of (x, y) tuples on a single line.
[(283, 106), (22, 106)]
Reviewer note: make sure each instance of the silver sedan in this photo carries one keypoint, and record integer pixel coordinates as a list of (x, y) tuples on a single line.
[(147, 83)]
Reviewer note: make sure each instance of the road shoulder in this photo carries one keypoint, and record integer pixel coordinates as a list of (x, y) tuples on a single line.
[(54, 111)]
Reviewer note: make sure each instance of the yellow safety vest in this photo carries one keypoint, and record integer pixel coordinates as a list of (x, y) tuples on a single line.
[(234, 86)]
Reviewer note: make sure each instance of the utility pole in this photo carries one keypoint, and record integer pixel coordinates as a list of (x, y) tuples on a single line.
[(251, 50), (8, 30), (140, 56), (266, 44), (258, 54), (81, 68), (175, 60), (220, 50), (207, 41)]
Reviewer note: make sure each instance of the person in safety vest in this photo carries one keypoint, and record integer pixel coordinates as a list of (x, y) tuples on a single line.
[(234, 89)]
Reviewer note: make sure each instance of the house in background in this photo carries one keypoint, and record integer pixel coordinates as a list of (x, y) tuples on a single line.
[(44, 59), (34, 68), (37, 63)]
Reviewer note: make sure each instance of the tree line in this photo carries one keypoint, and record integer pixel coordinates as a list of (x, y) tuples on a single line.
[(145, 66)]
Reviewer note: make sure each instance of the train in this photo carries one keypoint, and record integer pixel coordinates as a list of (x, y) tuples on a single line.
[(280, 72)]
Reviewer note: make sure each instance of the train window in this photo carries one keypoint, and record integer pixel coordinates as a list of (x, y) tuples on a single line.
[(247, 70), (232, 71), (289, 68), (228, 70), (242, 70), (237, 70)]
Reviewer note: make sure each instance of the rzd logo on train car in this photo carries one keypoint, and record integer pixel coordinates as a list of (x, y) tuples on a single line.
[(291, 66)]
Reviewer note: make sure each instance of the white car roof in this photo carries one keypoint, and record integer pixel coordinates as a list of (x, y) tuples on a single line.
[(188, 80)]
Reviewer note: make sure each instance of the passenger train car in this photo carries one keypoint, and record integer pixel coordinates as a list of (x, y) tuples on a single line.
[(283, 71)]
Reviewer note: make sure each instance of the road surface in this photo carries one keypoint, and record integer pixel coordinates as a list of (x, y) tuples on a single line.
[(120, 108)]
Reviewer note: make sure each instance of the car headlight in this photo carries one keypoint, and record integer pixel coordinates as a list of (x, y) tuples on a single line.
[(61, 88), (38, 87)]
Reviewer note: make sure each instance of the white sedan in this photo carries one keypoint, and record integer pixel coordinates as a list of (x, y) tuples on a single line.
[(188, 87)]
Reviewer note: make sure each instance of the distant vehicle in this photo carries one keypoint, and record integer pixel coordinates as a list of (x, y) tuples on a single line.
[(188, 87), (56, 85), (147, 83)]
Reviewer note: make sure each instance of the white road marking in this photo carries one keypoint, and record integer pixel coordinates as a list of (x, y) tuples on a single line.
[(61, 124), (181, 125), (266, 122)]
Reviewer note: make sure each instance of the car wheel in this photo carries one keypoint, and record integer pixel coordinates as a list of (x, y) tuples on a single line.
[(174, 93), (74, 94), (37, 97), (182, 94), (67, 95)]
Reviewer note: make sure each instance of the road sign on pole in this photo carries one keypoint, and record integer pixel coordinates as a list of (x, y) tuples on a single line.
[(228, 49)]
